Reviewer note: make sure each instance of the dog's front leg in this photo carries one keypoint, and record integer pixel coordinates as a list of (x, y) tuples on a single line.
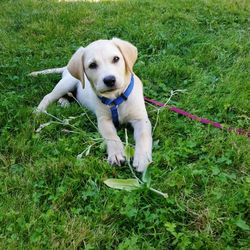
[(65, 85), (115, 147), (143, 144)]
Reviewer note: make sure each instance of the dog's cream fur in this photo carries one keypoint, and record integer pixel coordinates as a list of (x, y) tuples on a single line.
[(89, 83)]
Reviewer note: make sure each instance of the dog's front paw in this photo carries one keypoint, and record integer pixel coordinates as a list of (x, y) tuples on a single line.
[(63, 102), (38, 111), (116, 159), (141, 161), (41, 108), (116, 154)]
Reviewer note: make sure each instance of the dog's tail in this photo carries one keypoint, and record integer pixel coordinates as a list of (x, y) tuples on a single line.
[(48, 71)]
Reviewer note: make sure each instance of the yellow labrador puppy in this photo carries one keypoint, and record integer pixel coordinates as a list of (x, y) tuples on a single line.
[(102, 78)]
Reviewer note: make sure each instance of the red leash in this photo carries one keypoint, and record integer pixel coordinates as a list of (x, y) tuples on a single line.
[(197, 118)]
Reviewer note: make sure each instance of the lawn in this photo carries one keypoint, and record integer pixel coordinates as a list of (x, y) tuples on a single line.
[(49, 199)]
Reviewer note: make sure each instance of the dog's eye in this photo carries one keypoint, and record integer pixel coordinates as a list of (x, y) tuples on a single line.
[(116, 59), (93, 65)]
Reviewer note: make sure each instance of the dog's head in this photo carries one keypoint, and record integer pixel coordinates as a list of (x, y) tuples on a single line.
[(107, 64)]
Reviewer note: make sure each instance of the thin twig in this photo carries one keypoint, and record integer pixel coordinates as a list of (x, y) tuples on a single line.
[(84, 111), (62, 122), (79, 156), (133, 173), (157, 120), (165, 195), (70, 131), (172, 93)]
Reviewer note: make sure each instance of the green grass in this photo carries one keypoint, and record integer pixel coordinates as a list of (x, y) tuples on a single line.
[(51, 200)]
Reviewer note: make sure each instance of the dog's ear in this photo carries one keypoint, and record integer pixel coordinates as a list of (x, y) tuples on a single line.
[(75, 65), (129, 52)]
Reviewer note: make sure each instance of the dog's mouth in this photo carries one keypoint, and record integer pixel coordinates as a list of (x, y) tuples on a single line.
[(108, 90), (111, 92)]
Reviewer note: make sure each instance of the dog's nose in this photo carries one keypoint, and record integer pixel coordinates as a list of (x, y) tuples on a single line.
[(109, 80)]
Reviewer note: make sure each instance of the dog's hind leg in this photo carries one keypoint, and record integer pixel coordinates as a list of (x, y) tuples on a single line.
[(65, 85), (63, 102)]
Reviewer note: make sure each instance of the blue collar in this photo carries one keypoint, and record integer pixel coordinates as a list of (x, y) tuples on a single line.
[(114, 103)]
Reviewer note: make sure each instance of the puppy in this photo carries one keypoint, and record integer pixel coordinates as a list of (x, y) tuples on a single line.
[(102, 77)]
